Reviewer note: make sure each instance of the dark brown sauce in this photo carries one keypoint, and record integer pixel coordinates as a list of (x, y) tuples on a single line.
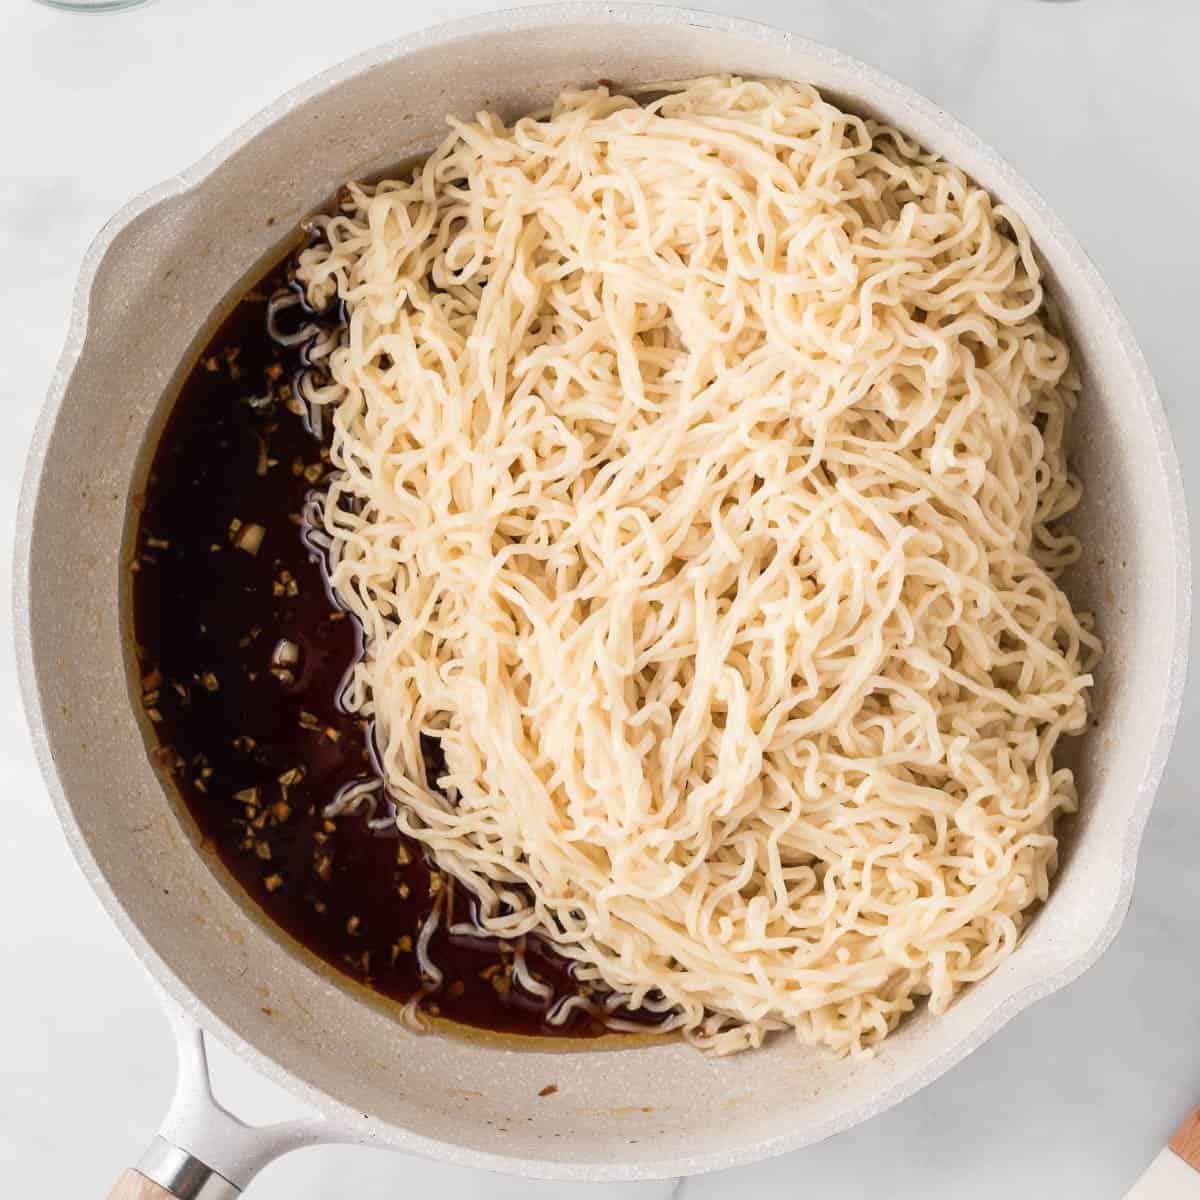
[(258, 753)]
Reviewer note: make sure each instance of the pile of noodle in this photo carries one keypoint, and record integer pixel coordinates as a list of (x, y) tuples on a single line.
[(699, 470)]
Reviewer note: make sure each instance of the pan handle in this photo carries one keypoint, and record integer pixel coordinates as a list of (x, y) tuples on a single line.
[(133, 1185), (168, 1173), (203, 1152)]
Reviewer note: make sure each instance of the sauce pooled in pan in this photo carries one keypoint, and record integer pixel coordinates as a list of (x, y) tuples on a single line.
[(242, 654)]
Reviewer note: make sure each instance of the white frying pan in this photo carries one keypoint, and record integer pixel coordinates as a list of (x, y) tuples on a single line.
[(149, 288)]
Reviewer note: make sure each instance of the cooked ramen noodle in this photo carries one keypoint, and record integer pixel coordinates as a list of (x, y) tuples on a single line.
[(698, 474)]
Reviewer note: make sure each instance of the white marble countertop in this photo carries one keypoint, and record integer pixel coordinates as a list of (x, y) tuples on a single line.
[(1096, 101)]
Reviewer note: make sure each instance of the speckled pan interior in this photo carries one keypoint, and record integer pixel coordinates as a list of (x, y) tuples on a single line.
[(152, 281)]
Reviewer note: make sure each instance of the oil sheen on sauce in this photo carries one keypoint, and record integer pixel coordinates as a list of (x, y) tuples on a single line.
[(242, 652)]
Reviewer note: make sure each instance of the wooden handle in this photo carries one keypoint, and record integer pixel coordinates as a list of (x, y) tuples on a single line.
[(135, 1186), (1175, 1173), (1186, 1142)]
